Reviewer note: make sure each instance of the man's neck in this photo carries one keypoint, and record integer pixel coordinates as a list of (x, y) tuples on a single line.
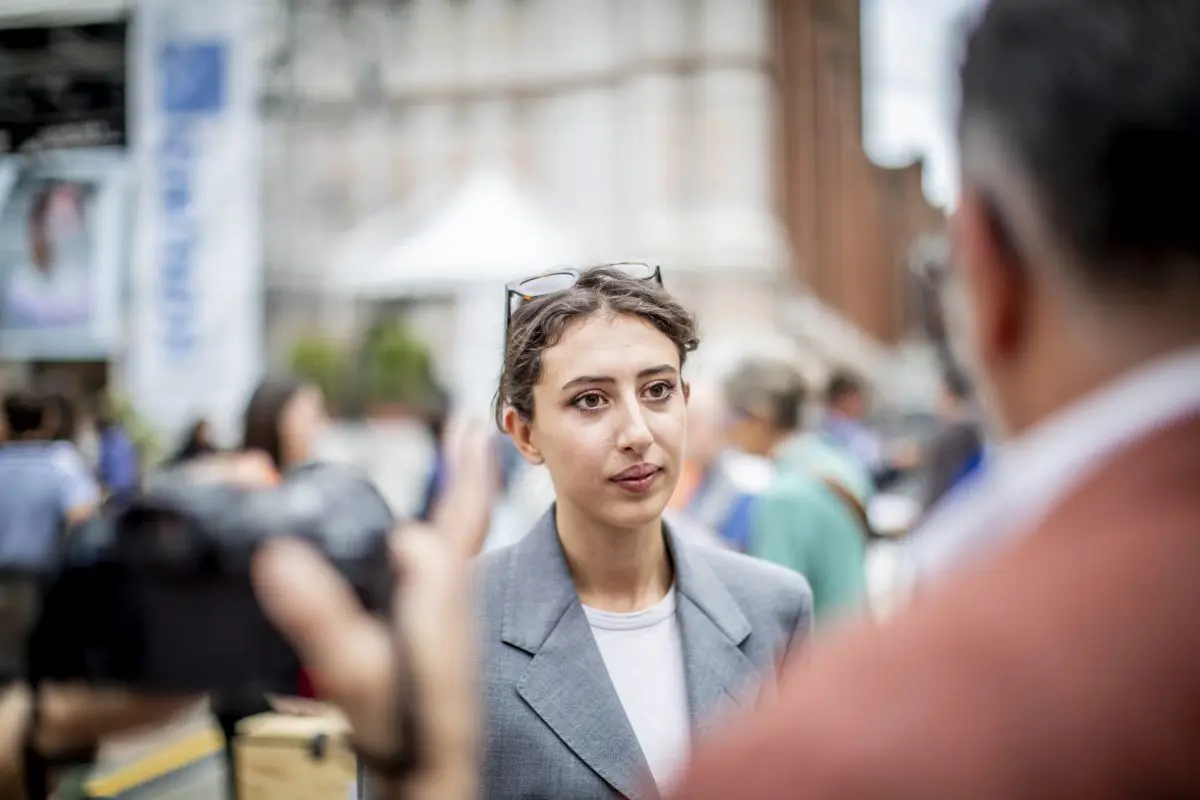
[(621, 570), (1077, 378)]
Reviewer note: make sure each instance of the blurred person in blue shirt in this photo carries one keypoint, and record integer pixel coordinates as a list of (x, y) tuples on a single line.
[(956, 453), (846, 427), (40, 496), (61, 431), (719, 482), (118, 467)]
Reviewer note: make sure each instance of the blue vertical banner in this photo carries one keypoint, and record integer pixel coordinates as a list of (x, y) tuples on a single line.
[(196, 348)]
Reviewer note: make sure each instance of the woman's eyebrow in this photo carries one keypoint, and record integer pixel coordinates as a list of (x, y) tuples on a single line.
[(649, 372)]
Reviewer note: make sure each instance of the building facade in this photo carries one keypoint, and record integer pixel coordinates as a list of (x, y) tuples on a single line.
[(851, 223), (720, 137)]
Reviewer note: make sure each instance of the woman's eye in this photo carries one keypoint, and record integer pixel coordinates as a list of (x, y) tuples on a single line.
[(660, 391), (588, 402)]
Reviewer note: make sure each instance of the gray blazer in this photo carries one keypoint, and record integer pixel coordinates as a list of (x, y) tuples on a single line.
[(555, 726)]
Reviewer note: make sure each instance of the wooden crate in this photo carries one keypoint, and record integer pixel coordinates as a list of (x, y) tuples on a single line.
[(286, 757)]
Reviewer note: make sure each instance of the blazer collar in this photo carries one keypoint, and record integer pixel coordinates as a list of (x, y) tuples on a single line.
[(543, 616), (539, 589)]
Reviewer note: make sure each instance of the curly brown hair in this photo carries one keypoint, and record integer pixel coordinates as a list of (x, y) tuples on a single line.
[(539, 324)]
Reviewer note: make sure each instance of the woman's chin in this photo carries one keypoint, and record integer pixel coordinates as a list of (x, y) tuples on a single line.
[(637, 513)]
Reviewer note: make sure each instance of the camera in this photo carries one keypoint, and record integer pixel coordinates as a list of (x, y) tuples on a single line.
[(155, 592)]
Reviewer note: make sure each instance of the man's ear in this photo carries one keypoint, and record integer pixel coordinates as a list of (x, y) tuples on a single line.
[(520, 431), (991, 268)]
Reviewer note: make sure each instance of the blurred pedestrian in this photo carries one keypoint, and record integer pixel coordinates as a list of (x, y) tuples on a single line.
[(956, 452), (63, 432), (119, 467), (196, 444), (810, 519), (435, 415), (847, 425), (285, 420), (719, 483)]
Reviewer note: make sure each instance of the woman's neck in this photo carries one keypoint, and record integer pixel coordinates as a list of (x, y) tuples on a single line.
[(621, 570)]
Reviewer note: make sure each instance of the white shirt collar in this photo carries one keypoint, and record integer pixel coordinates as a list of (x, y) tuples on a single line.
[(1021, 484)]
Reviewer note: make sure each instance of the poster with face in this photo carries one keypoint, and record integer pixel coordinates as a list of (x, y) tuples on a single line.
[(65, 221), (50, 284), (65, 207)]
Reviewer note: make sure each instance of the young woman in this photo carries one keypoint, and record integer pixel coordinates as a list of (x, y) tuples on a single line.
[(284, 419), (607, 638)]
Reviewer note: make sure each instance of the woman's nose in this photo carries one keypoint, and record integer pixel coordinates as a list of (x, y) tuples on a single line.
[(634, 435)]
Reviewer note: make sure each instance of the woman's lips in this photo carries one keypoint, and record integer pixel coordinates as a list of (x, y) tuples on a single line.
[(638, 479)]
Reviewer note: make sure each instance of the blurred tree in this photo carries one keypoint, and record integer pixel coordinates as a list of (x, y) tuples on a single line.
[(397, 367), (326, 364)]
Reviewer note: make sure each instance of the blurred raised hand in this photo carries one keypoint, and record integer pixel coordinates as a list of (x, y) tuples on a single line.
[(355, 656)]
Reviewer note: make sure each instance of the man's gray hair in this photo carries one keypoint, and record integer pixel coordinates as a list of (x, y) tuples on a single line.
[(770, 388)]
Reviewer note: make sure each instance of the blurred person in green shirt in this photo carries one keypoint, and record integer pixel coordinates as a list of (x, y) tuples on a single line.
[(808, 452), (812, 518)]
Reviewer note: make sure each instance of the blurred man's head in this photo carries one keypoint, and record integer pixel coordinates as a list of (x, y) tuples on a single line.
[(1077, 247), (24, 415), (845, 395), (766, 399)]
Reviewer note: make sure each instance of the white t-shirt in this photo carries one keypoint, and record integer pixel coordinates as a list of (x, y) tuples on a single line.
[(643, 652)]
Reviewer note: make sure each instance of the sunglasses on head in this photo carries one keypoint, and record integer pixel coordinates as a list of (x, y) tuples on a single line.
[(559, 280)]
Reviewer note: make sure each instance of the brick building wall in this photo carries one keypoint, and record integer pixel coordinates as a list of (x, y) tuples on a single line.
[(850, 222)]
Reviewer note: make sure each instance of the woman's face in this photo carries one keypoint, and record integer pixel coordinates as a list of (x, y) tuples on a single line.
[(609, 420), (301, 423)]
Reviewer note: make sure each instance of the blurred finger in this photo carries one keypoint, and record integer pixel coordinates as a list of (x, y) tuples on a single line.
[(434, 613), (316, 610), (464, 512), (431, 577)]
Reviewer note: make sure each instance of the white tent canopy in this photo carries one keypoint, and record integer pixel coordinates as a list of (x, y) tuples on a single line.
[(489, 232)]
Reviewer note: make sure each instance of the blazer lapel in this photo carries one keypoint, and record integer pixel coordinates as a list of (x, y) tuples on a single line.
[(566, 683), (713, 628)]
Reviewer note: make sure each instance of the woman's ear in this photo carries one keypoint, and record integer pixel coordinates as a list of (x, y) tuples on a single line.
[(687, 392), (521, 432)]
